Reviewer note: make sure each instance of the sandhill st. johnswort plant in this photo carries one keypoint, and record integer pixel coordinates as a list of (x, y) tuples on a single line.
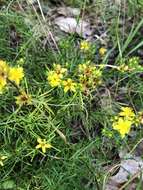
[(68, 102)]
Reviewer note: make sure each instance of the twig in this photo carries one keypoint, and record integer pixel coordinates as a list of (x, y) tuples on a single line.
[(111, 66)]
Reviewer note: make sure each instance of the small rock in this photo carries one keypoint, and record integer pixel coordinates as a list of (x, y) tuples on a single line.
[(71, 25)]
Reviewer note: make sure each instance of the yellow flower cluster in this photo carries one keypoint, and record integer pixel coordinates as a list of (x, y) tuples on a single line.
[(55, 76), (56, 79), (7, 73), (89, 75), (123, 122)]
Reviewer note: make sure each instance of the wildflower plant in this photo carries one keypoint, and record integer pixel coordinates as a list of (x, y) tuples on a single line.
[(65, 96)]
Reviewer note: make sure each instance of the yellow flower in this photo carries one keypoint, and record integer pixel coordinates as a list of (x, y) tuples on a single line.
[(59, 70), (69, 85), (3, 74), (82, 67), (127, 112), (3, 69), (123, 126), (102, 51), (84, 45), (43, 145), (54, 79), (16, 74), (23, 99), (1, 160)]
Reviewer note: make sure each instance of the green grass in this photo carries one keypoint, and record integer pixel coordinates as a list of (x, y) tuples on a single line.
[(72, 122)]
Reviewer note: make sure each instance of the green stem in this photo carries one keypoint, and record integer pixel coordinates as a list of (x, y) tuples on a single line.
[(13, 84)]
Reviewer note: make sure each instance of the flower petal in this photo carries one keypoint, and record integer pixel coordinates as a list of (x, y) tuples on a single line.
[(1, 163), (38, 146), (48, 145), (43, 149), (3, 157), (39, 140)]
